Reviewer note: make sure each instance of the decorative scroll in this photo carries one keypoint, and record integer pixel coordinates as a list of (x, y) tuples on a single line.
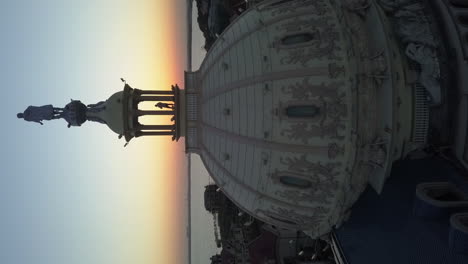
[(318, 7), (379, 67), (411, 22), (302, 24), (429, 75), (335, 150), (302, 165), (320, 194), (335, 109), (359, 7), (305, 90), (414, 30), (322, 190), (316, 217), (335, 70), (304, 55), (303, 131)]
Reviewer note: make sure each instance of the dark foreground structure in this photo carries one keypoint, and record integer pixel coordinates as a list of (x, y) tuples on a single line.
[(406, 227)]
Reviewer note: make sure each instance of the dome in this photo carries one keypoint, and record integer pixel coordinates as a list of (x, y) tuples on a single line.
[(292, 116), (113, 113)]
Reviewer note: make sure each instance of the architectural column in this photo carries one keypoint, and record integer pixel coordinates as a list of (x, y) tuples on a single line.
[(155, 98), (154, 133), (160, 112), (140, 92), (143, 92), (156, 127)]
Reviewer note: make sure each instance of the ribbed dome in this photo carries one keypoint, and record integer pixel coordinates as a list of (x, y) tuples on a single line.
[(288, 128)]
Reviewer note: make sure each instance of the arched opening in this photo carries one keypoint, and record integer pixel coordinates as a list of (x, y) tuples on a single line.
[(302, 111)]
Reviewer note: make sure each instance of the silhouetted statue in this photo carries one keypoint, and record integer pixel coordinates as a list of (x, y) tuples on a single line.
[(39, 113), (164, 105)]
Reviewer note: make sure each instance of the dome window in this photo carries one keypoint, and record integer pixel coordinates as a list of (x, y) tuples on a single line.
[(302, 111), (295, 181), (297, 39)]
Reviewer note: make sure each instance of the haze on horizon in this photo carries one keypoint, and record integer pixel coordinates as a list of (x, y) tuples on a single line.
[(75, 195)]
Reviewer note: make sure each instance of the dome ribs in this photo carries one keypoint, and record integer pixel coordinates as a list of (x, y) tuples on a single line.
[(233, 179), (315, 150), (267, 77)]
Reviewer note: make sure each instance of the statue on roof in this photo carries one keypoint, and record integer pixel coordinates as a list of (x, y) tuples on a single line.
[(40, 113), (74, 113)]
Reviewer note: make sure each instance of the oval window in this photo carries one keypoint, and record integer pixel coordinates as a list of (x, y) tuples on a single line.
[(295, 181), (304, 111), (297, 38)]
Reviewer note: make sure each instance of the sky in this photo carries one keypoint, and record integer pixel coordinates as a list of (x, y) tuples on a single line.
[(76, 195), (202, 222)]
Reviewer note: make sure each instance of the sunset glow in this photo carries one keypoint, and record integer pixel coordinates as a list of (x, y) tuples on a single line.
[(76, 195), (161, 64)]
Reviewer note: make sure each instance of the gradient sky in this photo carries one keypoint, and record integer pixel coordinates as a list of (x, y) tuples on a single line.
[(202, 222), (75, 195)]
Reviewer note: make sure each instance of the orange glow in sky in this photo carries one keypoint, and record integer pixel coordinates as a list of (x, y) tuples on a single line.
[(161, 63), (166, 58)]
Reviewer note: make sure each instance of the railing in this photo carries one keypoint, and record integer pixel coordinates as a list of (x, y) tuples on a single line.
[(337, 250)]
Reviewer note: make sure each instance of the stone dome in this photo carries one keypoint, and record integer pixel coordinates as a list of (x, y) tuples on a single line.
[(112, 113), (289, 112)]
